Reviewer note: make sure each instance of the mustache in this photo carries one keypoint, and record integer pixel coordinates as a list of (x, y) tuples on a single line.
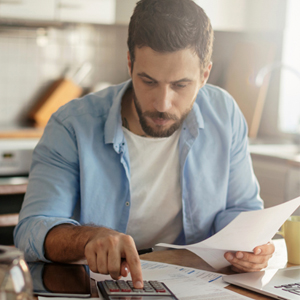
[(160, 115)]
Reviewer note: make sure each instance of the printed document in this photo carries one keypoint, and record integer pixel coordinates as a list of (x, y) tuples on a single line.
[(185, 283)]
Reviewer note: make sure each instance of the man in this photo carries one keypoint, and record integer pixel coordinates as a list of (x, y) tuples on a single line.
[(177, 171)]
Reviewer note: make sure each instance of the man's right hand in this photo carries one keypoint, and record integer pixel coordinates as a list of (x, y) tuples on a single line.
[(106, 251), (111, 252)]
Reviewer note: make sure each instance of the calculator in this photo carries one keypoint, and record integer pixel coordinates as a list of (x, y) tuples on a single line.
[(124, 290)]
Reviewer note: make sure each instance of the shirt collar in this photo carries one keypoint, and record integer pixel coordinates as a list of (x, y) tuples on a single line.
[(113, 125), (194, 119)]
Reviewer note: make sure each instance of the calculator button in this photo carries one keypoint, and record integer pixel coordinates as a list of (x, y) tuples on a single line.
[(158, 286), (112, 286), (148, 288), (146, 284), (124, 286), (138, 291), (130, 283)]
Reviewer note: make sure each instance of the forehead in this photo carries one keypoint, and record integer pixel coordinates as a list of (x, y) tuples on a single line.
[(167, 66)]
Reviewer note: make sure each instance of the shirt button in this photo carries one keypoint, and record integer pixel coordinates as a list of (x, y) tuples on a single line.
[(127, 203)]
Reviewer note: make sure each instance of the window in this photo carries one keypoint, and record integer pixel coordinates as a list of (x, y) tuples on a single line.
[(289, 107)]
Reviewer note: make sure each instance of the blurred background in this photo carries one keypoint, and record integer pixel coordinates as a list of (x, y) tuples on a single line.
[(52, 51)]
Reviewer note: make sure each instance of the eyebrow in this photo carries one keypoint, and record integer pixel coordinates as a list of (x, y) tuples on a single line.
[(143, 74)]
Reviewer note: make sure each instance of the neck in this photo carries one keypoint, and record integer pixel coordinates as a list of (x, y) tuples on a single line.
[(130, 119)]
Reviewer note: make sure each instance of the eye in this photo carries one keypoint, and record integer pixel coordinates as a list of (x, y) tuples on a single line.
[(149, 82), (179, 85)]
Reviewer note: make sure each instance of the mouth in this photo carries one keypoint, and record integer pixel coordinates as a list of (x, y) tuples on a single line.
[(160, 121)]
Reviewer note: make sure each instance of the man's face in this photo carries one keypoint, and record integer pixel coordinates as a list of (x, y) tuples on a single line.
[(165, 86)]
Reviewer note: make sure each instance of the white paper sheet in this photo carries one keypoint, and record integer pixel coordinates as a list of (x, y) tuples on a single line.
[(248, 230), (185, 283)]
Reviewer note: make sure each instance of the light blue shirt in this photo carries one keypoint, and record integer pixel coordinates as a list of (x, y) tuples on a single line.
[(80, 172)]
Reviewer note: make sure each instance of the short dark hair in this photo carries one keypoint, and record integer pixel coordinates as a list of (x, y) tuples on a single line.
[(171, 25)]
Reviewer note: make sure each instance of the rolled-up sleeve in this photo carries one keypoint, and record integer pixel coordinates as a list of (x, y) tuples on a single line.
[(53, 189)]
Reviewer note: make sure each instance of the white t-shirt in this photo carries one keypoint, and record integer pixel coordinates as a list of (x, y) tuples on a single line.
[(156, 204)]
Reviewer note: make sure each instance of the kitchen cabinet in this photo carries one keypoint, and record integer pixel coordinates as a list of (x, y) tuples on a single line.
[(81, 11), (12, 191), (277, 168), (124, 10), (16, 156), (245, 15), (225, 15), (228, 15), (271, 175), (28, 9), (86, 11)]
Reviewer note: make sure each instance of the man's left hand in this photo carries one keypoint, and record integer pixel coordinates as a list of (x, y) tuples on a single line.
[(251, 262)]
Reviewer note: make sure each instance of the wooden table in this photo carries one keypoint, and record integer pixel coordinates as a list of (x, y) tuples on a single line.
[(188, 259)]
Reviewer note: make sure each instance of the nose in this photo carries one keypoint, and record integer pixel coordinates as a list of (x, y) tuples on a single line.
[(163, 99)]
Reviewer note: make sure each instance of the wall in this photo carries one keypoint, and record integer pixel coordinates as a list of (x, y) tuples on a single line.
[(32, 58), (245, 15), (223, 55)]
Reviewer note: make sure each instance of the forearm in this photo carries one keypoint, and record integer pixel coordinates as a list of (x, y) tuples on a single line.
[(106, 251), (66, 242)]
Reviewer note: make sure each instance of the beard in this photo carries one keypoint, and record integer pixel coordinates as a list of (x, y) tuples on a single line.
[(158, 130)]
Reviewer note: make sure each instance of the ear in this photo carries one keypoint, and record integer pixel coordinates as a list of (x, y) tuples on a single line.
[(129, 63), (206, 74)]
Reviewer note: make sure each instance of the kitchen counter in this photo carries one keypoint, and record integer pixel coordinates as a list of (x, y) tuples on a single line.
[(290, 153), (21, 133), (16, 155)]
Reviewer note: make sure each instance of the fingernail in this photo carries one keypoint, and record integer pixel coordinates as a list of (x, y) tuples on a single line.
[(230, 256), (258, 251), (126, 269), (239, 255), (138, 285)]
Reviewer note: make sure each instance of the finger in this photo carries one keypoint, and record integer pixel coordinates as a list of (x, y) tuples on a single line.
[(248, 267), (135, 270), (102, 261), (247, 262), (251, 257), (134, 264), (247, 257), (91, 258), (114, 263), (124, 268), (267, 249)]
